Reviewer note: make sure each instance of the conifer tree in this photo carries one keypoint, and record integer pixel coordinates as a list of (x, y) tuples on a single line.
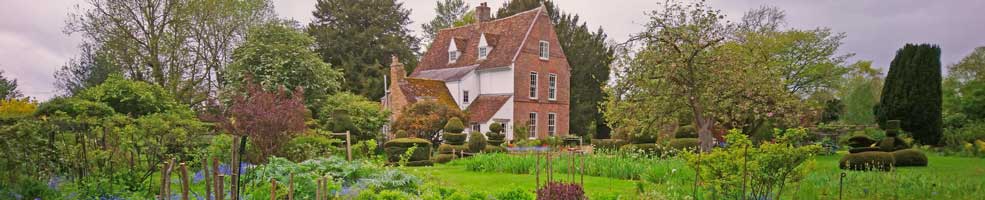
[(912, 92)]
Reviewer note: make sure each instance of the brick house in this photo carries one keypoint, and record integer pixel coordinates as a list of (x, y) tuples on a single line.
[(510, 70)]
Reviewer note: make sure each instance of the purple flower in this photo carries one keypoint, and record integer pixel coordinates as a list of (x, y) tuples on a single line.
[(199, 176)]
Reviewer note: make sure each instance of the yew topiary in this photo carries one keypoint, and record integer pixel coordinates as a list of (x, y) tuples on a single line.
[(477, 142), (496, 127), (910, 157), (871, 160), (454, 125), (454, 138)]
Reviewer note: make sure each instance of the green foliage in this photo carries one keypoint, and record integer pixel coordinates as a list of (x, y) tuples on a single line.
[(365, 149), (392, 179), (337, 169), (686, 132), (8, 88), (860, 93), (443, 158), (454, 125), (425, 119), (454, 138), (651, 149), (515, 194), (916, 69), (909, 157), (861, 141), (131, 97), (871, 160), (302, 148), (448, 148), (610, 144), (73, 107), (521, 133), (973, 100), (477, 142), (349, 112), (396, 148), (685, 144), (448, 12), (401, 134), (16, 108), (359, 36), (276, 55), (971, 132), (628, 166), (496, 127)]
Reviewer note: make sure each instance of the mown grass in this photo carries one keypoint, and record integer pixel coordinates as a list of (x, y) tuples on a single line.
[(944, 178)]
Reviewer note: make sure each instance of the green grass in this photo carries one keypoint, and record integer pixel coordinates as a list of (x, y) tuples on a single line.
[(460, 178), (944, 178)]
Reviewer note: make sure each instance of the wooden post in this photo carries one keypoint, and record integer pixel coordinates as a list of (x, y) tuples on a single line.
[(208, 179), (184, 181), (234, 166), (537, 179), (348, 146), (290, 186), (164, 181), (273, 189), (318, 189), (220, 194), (583, 157), (217, 178)]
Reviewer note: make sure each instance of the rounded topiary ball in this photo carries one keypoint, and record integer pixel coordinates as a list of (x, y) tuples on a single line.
[(910, 157), (496, 127), (454, 125), (477, 142)]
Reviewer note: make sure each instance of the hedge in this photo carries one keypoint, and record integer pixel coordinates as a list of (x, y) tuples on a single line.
[(397, 147), (454, 138), (447, 148), (685, 143), (863, 149), (608, 143), (443, 158), (872, 160), (910, 157), (494, 149), (861, 141), (686, 132)]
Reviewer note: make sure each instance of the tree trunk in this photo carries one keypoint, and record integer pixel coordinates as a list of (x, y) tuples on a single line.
[(702, 123)]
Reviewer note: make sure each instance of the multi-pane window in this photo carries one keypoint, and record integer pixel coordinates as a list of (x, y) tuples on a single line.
[(465, 96), (552, 87), (483, 52), (533, 85), (452, 56), (544, 50), (476, 127), (551, 124), (532, 125)]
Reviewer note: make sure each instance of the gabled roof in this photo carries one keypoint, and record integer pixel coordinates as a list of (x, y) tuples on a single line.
[(415, 89), (485, 106), (446, 74), (505, 36)]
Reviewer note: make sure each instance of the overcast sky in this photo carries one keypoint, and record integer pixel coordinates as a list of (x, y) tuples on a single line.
[(33, 46)]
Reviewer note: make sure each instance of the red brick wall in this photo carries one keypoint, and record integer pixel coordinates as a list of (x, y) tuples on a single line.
[(529, 60)]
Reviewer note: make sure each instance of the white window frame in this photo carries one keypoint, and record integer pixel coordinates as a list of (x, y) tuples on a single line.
[(544, 50), (452, 56), (465, 97), (532, 125), (551, 124), (483, 52), (533, 84), (552, 87)]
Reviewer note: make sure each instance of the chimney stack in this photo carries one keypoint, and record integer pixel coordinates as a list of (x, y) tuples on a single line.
[(397, 72), (483, 13)]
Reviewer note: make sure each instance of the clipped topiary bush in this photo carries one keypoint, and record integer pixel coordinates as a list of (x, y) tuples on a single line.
[(454, 125), (686, 132), (608, 143), (872, 160), (910, 157), (685, 143), (401, 134), (477, 142), (397, 147), (496, 138), (496, 127), (447, 148), (494, 149), (861, 141), (863, 149), (454, 138), (443, 158)]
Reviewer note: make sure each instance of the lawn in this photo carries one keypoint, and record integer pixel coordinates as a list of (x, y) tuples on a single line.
[(944, 178)]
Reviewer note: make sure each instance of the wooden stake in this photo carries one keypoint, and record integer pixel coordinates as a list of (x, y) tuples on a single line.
[(217, 178), (208, 179), (348, 146), (234, 165), (184, 181), (164, 181), (220, 194), (318, 189), (273, 189), (290, 186)]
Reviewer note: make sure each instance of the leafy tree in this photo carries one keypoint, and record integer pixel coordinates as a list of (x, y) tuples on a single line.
[(912, 92), (860, 93), (16, 108), (426, 118), (277, 55), (131, 97), (359, 36), (350, 112), (449, 12), (973, 100), (962, 95), (268, 118), (8, 88), (91, 68), (589, 57), (175, 44)]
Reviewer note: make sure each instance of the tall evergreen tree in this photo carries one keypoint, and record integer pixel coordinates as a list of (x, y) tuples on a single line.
[(912, 92), (359, 36), (589, 57)]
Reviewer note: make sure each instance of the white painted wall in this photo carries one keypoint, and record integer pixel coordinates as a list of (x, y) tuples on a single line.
[(468, 82), (498, 81)]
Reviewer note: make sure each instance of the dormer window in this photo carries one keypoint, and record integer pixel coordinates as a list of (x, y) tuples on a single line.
[(484, 47), (544, 50), (452, 52)]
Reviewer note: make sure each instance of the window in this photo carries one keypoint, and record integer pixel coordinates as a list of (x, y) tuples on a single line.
[(533, 85), (550, 124), (477, 127), (483, 52), (552, 87), (544, 50), (532, 125), (465, 97), (452, 56)]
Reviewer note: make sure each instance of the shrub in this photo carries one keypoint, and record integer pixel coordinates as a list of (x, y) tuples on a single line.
[(910, 157), (494, 149), (685, 143), (861, 141), (307, 147), (516, 194), (454, 138), (872, 160), (864, 149), (496, 127), (447, 148), (443, 158), (364, 149), (401, 134), (608, 143), (397, 147), (561, 191), (686, 132), (477, 142), (642, 138), (73, 107), (454, 125)]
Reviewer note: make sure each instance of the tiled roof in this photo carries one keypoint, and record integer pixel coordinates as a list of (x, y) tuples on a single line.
[(504, 36), (415, 89), (485, 106), (446, 74)]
